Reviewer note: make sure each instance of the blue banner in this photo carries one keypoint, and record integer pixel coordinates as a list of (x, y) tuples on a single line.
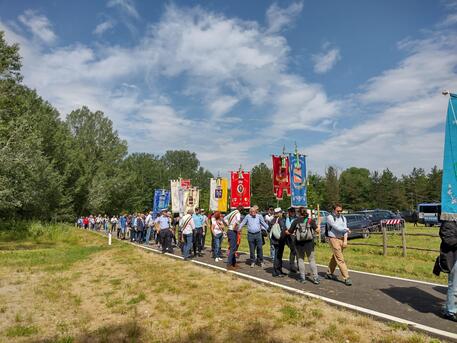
[(161, 200), (297, 170), (449, 186)]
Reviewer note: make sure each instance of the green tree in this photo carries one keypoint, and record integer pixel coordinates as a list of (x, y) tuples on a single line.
[(355, 188), (332, 188), (262, 186), (434, 179), (10, 60), (316, 190), (416, 187), (98, 153), (391, 192)]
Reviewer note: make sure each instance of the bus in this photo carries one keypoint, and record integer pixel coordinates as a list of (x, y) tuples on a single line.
[(429, 213)]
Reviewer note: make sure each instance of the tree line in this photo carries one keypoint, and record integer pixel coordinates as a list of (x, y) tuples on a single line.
[(54, 168)]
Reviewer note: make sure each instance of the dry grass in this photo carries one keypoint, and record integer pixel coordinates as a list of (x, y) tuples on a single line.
[(123, 294)]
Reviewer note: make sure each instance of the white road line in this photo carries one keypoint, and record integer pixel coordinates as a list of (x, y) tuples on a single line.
[(363, 310)]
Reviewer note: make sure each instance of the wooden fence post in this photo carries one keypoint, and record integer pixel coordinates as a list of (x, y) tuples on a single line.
[(403, 240), (384, 240)]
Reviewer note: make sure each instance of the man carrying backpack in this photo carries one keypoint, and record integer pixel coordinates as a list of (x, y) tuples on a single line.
[(290, 241), (278, 240), (335, 230), (305, 230)]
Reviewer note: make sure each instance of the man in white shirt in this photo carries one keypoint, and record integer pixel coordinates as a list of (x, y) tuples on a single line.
[(232, 220), (336, 230), (163, 228), (268, 219), (187, 225), (149, 225)]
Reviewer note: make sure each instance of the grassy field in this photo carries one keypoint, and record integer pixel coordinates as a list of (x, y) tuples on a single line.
[(416, 265), (59, 284)]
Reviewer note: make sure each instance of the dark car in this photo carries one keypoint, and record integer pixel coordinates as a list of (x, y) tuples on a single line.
[(359, 224), (377, 216)]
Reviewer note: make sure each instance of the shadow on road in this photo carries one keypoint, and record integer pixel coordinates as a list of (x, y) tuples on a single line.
[(418, 299)]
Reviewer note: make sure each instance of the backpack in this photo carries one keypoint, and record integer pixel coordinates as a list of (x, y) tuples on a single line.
[(304, 232), (328, 227), (275, 230)]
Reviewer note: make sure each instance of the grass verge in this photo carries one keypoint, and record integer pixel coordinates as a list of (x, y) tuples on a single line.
[(120, 293)]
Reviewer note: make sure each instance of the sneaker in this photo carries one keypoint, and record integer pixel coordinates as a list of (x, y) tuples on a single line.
[(348, 282), (216, 259), (302, 280), (252, 265), (450, 316), (331, 277), (315, 280), (262, 264)]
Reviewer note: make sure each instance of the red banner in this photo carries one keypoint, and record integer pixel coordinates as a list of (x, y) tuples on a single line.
[(240, 189), (281, 180), (185, 183)]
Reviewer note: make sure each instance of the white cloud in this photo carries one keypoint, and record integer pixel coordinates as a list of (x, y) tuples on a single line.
[(278, 18), (222, 105), (451, 19), (103, 27), (248, 64), (429, 68), (126, 6), (404, 112), (223, 64), (326, 60), (38, 25)]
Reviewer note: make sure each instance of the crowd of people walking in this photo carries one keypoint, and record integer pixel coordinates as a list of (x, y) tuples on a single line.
[(295, 229)]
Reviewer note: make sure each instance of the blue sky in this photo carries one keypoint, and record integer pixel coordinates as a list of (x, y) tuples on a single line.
[(355, 83)]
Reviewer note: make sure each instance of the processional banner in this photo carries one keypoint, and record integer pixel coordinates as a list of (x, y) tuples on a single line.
[(191, 199), (240, 189), (449, 183), (161, 200), (281, 180), (297, 169), (218, 194), (177, 196)]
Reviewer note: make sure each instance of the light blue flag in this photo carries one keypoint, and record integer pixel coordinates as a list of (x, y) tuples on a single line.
[(449, 186), (297, 170), (161, 200)]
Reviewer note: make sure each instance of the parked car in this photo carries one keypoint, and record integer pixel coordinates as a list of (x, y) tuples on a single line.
[(359, 224), (378, 215)]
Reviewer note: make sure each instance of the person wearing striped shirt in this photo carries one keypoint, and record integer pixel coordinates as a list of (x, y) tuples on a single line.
[(232, 220), (187, 231)]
